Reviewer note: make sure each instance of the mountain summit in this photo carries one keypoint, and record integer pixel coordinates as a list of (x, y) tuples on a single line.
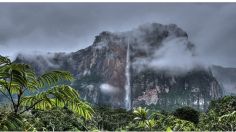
[(127, 69)]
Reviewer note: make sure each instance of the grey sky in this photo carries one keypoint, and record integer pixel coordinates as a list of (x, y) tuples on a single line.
[(70, 27)]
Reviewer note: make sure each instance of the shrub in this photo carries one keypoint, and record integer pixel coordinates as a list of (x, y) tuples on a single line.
[(223, 105), (187, 113), (221, 115), (57, 119)]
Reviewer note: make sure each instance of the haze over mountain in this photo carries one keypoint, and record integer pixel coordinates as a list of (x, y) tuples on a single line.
[(64, 27), (227, 77)]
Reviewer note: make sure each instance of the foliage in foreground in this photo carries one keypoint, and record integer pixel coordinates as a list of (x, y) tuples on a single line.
[(111, 119), (60, 108), (221, 115), (145, 121), (26, 91), (58, 119), (141, 119), (187, 113)]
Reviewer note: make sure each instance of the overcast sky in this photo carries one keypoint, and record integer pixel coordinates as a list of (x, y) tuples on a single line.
[(70, 27)]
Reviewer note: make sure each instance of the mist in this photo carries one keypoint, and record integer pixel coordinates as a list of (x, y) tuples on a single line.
[(175, 56), (108, 89), (64, 27)]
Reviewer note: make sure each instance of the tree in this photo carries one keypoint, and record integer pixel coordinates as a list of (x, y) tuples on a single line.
[(187, 113), (18, 80), (109, 119), (224, 105), (142, 120), (57, 119), (159, 122), (221, 115), (141, 114)]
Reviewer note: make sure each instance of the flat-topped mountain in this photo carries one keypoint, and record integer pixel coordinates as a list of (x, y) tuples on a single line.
[(118, 70)]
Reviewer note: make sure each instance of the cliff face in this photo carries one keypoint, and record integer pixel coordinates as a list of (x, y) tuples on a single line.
[(226, 77), (195, 89), (101, 70)]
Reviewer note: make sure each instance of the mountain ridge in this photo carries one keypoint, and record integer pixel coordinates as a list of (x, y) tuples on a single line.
[(100, 70)]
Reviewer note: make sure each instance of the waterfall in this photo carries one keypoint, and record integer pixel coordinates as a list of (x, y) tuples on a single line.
[(127, 85)]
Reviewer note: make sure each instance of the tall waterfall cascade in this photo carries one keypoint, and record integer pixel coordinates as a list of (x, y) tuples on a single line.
[(127, 85)]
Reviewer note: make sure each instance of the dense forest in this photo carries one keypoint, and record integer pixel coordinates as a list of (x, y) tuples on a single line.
[(30, 102)]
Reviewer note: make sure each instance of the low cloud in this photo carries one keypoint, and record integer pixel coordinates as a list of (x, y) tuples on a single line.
[(175, 56), (108, 89), (43, 61), (65, 27)]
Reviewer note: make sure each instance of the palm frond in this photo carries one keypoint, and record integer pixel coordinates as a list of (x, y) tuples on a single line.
[(32, 83), (3, 83), (81, 109), (4, 60), (141, 113), (53, 77), (15, 73), (59, 96), (16, 78), (10, 122)]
